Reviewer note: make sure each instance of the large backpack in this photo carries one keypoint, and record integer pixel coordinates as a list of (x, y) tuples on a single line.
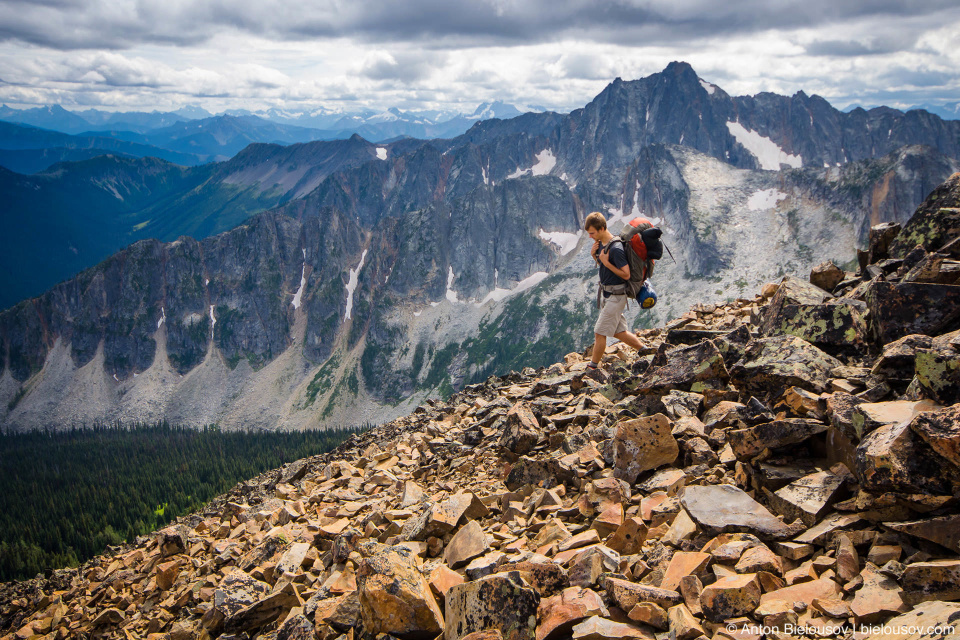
[(641, 243)]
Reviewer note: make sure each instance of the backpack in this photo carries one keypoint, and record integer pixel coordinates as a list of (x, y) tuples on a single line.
[(641, 243)]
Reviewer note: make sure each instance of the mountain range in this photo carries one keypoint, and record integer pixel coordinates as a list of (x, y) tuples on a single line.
[(32, 140), (386, 273)]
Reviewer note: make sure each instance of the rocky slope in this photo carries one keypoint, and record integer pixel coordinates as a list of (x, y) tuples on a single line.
[(779, 466)]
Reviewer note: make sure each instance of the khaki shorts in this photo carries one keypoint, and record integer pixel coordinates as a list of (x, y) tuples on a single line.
[(611, 320)]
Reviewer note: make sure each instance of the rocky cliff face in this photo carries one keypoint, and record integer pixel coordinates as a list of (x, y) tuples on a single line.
[(395, 271), (784, 461)]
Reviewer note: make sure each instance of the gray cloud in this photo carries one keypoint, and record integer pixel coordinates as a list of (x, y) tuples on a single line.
[(73, 24)]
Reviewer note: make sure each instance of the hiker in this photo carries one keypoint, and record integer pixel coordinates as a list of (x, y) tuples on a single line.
[(608, 253)]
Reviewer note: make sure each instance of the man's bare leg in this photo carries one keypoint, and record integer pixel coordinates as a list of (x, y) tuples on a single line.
[(627, 337), (599, 346)]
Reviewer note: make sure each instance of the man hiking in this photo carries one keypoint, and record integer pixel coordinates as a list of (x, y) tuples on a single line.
[(609, 255)]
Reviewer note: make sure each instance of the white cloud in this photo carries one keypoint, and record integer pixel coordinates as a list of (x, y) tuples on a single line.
[(144, 54)]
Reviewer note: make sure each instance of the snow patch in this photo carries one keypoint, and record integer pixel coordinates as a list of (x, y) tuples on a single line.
[(451, 294), (545, 163), (709, 87), (381, 153), (764, 149), (416, 314), (566, 241), (352, 284), (163, 317), (213, 318), (766, 199), (486, 178), (527, 283), (303, 283)]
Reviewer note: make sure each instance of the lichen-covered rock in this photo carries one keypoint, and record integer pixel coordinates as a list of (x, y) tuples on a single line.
[(938, 373), (730, 597), (546, 473), (897, 360), (691, 368), (933, 580), (881, 237), (501, 601), (838, 324), (808, 498), (643, 444), (927, 621), (898, 310), (771, 365), (395, 597), (895, 458), (941, 430), (792, 291), (935, 221)]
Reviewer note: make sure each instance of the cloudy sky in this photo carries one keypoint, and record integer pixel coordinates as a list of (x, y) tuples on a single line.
[(454, 54)]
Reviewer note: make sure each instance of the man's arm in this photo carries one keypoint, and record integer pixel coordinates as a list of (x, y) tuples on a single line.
[(623, 272)]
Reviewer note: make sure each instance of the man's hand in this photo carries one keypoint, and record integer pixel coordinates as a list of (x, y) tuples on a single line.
[(593, 251), (604, 257)]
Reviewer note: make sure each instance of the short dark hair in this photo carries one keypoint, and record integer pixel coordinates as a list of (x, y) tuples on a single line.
[(596, 221)]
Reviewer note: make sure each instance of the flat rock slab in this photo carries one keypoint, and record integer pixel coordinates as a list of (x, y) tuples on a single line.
[(839, 324), (808, 498), (773, 435), (945, 530), (724, 508), (928, 621)]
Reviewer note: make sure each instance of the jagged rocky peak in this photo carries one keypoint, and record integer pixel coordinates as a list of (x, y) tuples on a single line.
[(783, 461)]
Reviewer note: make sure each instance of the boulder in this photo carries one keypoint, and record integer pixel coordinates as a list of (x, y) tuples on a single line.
[(395, 597), (895, 458), (501, 601), (522, 430), (933, 580), (826, 276), (724, 508), (808, 498), (941, 431), (544, 473), (881, 238), (691, 368), (730, 597), (643, 444), (934, 223), (558, 614), (771, 365), (928, 621), (878, 598), (837, 324), (791, 292), (898, 310), (597, 628), (869, 416), (773, 435), (898, 357), (468, 543), (627, 594), (943, 530), (938, 374)]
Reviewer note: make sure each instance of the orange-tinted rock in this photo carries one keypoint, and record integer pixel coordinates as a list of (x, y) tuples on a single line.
[(395, 597), (730, 597), (500, 601)]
